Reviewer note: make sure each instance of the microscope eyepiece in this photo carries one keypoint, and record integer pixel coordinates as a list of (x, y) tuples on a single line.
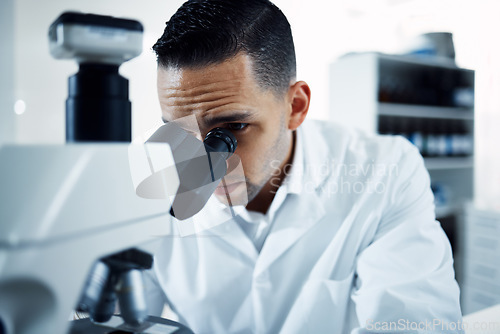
[(200, 175), (220, 140)]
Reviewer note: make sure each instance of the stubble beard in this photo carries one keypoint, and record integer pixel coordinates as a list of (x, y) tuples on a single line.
[(281, 147)]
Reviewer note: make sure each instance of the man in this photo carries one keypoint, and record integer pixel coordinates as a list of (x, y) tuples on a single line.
[(339, 234)]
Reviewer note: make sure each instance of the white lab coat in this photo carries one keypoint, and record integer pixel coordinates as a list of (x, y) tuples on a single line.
[(354, 246)]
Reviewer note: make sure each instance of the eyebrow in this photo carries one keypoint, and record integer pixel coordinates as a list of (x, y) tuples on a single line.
[(234, 117)]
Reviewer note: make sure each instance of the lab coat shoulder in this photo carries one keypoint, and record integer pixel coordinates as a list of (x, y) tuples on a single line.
[(366, 173), (403, 265), (356, 176), (406, 274), (353, 146)]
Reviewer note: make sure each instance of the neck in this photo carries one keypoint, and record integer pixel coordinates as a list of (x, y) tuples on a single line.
[(264, 198)]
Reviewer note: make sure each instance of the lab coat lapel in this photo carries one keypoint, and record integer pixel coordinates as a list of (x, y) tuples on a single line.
[(227, 230), (237, 239), (303, 207), (297, 217)]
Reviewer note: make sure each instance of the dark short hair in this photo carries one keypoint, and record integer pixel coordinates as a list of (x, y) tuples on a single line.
[(206, 32)]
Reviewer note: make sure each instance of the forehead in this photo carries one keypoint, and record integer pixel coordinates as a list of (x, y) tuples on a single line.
[(232, 74), (218, 90)]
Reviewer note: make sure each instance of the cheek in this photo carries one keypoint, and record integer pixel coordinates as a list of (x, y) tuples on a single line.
[(256, 159), (250, 160), (258, 149)]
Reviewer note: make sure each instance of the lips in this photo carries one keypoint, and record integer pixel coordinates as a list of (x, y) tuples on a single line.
[(221, 190)]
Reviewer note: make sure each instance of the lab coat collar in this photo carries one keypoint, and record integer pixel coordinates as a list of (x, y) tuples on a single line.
[(310, 164), (225, 227), (293, 180), (316, 151), (297, 216), (304, 208)]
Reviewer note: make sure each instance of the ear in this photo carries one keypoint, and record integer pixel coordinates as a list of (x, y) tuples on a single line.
[(299, 97)]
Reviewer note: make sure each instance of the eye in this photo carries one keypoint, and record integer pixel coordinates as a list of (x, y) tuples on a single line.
[(236, 126)]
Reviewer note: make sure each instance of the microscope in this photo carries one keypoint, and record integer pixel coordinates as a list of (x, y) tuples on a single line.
[(80, 222)]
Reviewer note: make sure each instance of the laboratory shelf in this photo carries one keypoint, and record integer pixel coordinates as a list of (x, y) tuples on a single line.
[(419, 61), (445, 211), (434, 163), (420, 111)]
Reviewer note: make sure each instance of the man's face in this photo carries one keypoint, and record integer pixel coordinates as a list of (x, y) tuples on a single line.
[(227, 95)]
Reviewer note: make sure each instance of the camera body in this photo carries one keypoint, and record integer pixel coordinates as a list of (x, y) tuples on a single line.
[(98, 108), (97, 39)]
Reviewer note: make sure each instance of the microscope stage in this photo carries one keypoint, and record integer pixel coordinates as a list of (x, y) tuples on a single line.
[(116, 325)]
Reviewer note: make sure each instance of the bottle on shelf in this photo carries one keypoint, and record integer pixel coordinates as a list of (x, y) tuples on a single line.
[(456, 139), (463, 97), (386, 126), (416, 136), (467, 142), (402, 128), (441, 144), (449, 138), (432, 148)]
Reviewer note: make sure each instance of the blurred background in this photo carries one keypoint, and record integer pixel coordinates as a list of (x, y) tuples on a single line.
[(371, 64)]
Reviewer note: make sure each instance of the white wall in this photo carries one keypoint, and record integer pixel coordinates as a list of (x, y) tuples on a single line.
[(484, 46), (7, 119)]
